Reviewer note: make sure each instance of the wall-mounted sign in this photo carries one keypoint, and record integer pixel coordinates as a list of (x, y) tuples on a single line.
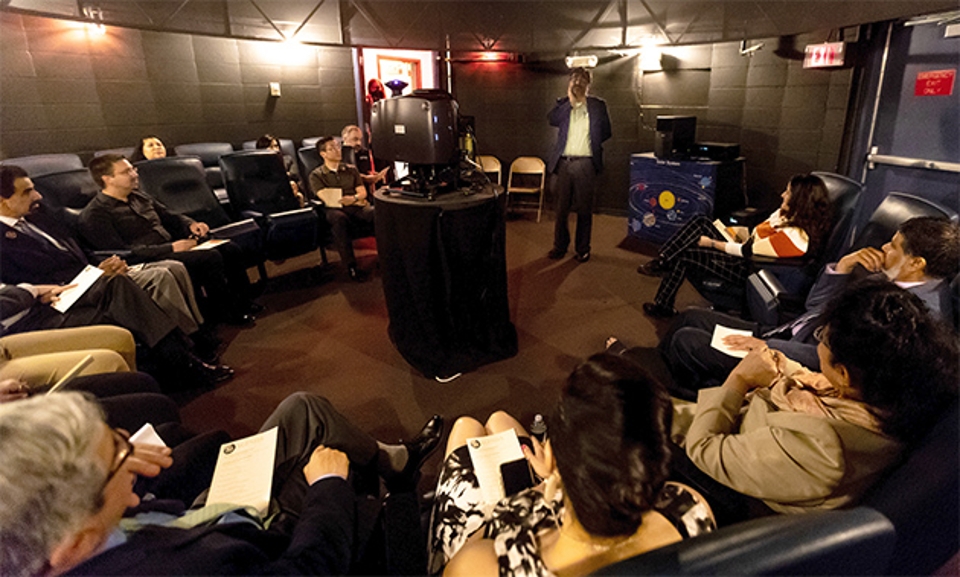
[(823, 55), (935, 83)]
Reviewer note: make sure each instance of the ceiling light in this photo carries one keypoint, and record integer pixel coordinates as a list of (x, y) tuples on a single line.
[(588, 61)]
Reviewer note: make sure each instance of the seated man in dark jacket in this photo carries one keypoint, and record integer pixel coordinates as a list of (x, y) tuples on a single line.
[(74, 474), (121, 217), (344, 194), (36, 248)]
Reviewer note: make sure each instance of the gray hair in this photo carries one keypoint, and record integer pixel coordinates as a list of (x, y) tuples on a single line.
[(50, 477)]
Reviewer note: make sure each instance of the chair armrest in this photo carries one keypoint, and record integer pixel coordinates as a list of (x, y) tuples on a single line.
[(234, 229), (852, 542), (760, 260), (246, 234), (748, 217)]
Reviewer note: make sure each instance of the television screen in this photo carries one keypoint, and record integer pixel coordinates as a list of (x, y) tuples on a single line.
[(420, 128)]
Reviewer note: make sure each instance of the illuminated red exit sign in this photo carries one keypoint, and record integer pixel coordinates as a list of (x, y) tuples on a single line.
[(935, 83), (823, 55)]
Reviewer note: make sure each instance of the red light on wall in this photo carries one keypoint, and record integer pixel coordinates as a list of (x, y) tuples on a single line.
[(824, 55), (486, 56)]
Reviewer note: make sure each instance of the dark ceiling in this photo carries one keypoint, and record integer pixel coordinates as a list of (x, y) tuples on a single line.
[(524, 26)]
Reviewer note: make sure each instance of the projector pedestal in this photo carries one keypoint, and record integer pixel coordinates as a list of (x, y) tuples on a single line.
[(445, 279)]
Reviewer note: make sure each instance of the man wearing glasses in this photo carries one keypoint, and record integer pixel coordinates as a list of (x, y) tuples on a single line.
[(343, 192), (67, 479)]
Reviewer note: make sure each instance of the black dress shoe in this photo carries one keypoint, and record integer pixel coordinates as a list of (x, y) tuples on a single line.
[(556, 254), (254, 308), (356, 275), (208, 374), (420, 447), (656, 311), (582, 257), (655, 267)]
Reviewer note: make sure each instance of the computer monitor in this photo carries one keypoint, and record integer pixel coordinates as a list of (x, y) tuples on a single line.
[(675, 136)]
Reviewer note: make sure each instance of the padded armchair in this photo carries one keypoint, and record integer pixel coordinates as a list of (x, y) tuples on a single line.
[(772, 303), (309, 159), (853, 542), (70, 188), (529, 166), (209, 154), (920, 498), (179, 182), (286, 146), (125, 151), (310, 141), (258, 188), (896, 208), (796, 275), (41, 164)]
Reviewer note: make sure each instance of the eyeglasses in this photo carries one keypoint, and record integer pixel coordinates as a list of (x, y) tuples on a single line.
[(821, 334), (123, 448)]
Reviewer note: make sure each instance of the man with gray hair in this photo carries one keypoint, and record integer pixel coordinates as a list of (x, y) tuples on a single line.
[(67, 478)]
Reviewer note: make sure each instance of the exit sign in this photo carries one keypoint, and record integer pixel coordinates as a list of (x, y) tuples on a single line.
[(823, 55)]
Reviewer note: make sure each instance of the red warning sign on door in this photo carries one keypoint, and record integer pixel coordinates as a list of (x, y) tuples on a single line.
[(935, 83)]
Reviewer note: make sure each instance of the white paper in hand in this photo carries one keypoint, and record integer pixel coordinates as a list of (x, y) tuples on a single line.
[(487, 454), (147, 435), (244, 473), (720, 332), (84, 281)]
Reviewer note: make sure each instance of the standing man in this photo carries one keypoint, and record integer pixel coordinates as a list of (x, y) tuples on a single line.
[(577, 158), (342, 191), (122, 217)]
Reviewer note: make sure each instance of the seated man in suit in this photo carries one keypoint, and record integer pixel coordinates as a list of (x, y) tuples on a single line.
[(341, 189), (121, 217), (67, 523), (36, 249), (922, 257)]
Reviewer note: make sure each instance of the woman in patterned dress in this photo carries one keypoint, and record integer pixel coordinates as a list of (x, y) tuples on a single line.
[(604, 495)]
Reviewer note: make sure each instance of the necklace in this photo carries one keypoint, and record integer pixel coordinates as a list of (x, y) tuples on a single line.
[(608, 544)]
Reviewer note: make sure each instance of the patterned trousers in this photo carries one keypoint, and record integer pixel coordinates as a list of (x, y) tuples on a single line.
[(683, 257)]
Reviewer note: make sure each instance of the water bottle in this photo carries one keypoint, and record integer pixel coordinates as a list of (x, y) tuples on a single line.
[(538, 428)]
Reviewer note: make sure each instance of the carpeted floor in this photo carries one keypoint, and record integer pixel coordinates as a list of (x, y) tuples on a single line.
[(324, 334)]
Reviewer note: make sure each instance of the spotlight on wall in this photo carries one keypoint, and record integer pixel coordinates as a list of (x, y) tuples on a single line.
[(587, 61), (95, 15), (485, 56), (651, 59)]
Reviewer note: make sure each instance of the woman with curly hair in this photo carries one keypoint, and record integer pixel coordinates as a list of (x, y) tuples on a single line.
[(605, 495), (797, 228)]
